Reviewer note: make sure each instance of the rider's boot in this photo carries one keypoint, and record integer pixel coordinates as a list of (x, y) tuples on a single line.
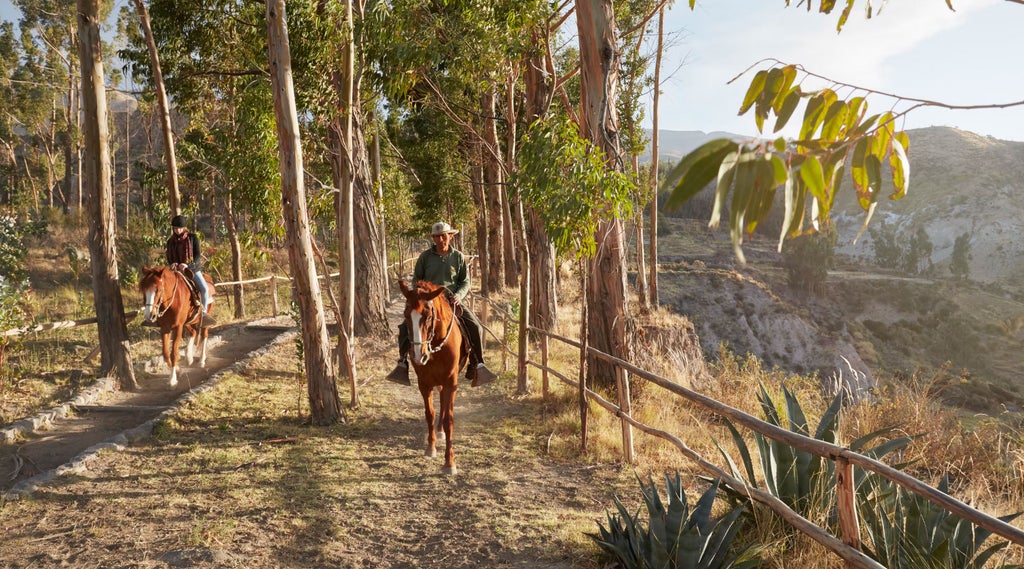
[(479, 374), (400, 374)]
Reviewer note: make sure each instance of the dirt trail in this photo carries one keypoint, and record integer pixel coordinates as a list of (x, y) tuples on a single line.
[(65, 438)]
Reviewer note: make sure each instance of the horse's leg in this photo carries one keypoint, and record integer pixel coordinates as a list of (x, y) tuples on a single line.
[(170, 358), (190, 348), (448, 423), (428, 408), (203, 335), (175, 342)]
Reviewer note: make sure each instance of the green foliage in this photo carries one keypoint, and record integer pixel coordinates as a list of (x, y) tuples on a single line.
[(803, 481), (895, 250), (567, 180), (12, 315), (675, 536), (835, 135), (960, 260), (906, 531), (807, 259), (12, 247)]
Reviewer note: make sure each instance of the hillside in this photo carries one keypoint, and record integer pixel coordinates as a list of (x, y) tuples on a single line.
[(884, 323)]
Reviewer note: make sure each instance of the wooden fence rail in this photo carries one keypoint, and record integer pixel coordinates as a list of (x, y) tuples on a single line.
[(849, 547)]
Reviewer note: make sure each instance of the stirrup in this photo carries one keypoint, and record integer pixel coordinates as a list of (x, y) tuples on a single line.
[(480, 375), (400, 374)]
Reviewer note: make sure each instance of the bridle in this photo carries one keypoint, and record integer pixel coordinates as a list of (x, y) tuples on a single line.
[(156, 314), (431, 349)]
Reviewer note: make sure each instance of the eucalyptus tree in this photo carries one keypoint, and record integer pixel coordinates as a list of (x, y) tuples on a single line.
[(458, 59), (115, 352), (49, 43), (329, 56), (9, 56), (213, 59), (171, 174), (325, 406)]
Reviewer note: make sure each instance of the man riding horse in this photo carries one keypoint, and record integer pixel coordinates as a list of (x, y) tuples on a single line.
[(445, 266)]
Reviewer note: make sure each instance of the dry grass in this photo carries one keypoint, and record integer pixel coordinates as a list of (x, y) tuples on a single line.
[(239, 470)]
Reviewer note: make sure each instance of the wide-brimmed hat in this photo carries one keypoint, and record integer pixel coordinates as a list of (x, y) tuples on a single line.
[(442, 227), (178, 221)]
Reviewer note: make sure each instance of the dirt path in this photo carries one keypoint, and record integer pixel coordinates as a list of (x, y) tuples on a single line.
[(36, 453), (239, 479)]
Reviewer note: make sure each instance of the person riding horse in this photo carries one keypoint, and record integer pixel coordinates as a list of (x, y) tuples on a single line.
[(445, 266), (183, 252)]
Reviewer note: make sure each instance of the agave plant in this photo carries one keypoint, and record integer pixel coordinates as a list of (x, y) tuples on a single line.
[(906, 531), (675, 536), (801, 480)]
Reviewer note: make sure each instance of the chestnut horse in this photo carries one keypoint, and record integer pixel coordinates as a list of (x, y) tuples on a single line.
[(437, 353), (168, 303)]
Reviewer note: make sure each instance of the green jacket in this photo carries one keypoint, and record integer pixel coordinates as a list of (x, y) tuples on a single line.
[(449, 271)]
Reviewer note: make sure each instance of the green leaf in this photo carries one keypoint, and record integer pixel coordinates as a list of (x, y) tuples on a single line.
[(726, 174), (900, 165), (789, 104), (834, 121), (754, 91), (813, 178), (858, 171), (782, 92), (696, 170)]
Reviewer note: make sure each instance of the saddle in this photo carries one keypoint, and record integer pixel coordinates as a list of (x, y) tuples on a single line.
[(466, 348), (193, 291)]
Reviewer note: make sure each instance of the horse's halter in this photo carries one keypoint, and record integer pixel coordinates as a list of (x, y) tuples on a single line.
[(151, 300), (431, 349)]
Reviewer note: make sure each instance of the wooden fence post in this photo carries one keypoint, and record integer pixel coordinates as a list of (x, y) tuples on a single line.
[(504, 342), (273, 293), (484, 310), (622, 378), (846, 494), (544, 361)]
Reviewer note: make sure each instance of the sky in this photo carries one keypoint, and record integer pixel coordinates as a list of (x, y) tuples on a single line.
[(914, 48)]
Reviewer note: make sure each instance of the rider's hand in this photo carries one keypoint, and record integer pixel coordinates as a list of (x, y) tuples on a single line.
[(452, 299)]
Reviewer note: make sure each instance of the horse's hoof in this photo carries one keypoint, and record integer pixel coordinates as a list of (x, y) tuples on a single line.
[(430, 453), (450, 470)]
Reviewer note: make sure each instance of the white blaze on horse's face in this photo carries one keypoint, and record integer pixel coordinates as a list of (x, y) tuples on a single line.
[(148, 300), (417, 337)]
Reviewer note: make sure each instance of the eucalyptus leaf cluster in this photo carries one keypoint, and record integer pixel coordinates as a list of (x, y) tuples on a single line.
[(568, 181), (835, 135)]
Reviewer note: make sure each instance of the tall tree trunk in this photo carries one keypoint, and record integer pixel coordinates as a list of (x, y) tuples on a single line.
[(655, 159), (170, 162), (115, 349), (496, 202), (371, 317), (599, 64), (641, 266), (324, 403), (341, 162), (543, 289), (476, 177), (71, 140), (381, 285), (236, 254)]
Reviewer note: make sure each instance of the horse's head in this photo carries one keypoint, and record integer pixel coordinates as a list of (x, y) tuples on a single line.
[(428, 321), (151, 285)]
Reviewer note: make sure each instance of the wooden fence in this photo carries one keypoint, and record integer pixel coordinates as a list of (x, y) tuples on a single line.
[(847, 546)]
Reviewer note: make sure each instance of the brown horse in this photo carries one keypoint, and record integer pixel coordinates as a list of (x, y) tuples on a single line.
[(168, 303), (437, 353)]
